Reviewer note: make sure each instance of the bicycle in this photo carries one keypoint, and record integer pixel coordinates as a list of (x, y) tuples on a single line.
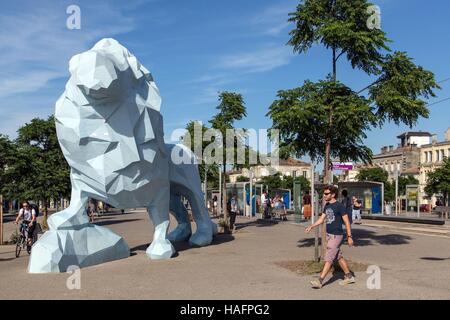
[(22, 242)]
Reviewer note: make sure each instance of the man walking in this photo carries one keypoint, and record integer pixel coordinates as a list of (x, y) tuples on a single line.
[(347, 203), (266, 204), (307, 205), (356, 212), (234, 209), (335, 215)]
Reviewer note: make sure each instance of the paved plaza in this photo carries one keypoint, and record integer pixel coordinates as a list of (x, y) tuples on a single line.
[(243, 265)]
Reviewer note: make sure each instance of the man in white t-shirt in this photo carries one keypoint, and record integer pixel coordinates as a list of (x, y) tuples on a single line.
[(29, 217), (265, 202)]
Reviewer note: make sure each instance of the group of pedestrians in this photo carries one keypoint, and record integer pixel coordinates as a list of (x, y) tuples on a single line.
[(352, 206), (276, 203)]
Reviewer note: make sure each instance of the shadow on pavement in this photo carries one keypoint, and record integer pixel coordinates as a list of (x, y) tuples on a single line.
[(258, 223), (106, 223), (6, 259), (181, 246), (7, 252), (434, 258), (364, 238)]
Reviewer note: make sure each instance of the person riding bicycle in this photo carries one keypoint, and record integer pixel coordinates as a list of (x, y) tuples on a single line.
[(29, 219)]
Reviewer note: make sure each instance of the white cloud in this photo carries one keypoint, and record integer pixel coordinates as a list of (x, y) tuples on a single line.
[(262, 60), (36, 45), (36, 48), (272, 20)]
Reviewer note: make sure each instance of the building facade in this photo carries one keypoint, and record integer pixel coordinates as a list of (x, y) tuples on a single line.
[(405, 159), (431, 157), (289, 167)]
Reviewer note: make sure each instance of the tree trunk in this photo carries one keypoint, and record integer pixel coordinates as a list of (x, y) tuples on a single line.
[(225, 211), (327, 162), (45, 209)]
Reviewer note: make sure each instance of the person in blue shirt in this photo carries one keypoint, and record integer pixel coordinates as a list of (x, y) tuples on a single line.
[(335, 215)]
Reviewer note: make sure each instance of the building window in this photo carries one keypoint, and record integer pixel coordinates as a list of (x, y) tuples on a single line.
[(442, 155), (304, 173), (425, 157), (430, 155)]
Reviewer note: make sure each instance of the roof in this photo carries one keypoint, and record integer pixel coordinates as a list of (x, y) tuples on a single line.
[(293, 162), (415, 134), (436, 144)]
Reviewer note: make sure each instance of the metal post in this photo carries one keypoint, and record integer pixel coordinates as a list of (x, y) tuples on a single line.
[(1, 219), (312, 194), (418, 205), (219, 205), (251, 192), (313, 213), (396, 193), (205, 186)]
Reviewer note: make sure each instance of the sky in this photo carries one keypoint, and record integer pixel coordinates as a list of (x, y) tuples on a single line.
[(197, 48)]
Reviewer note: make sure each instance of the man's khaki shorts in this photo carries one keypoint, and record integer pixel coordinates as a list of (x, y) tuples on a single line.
[(334, 251)]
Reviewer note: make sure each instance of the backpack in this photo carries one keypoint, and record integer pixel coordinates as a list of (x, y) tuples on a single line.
[(35, 207)]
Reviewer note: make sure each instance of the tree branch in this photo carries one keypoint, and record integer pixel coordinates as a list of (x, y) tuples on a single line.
[(370, 85), (340, 54)]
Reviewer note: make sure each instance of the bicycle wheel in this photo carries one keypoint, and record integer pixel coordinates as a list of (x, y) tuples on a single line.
[(19, 246)]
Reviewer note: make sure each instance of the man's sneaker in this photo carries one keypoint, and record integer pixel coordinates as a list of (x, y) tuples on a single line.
[(348, 280), (316, 284)]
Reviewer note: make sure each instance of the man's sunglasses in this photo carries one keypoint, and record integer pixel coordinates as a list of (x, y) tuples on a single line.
[(326, 193)]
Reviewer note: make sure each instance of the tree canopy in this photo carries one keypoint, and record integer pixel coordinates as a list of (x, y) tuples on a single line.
[(36, 168), (325, 118), (439, 181)]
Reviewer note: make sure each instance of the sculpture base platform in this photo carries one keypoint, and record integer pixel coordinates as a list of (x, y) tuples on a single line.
[(85, 246)]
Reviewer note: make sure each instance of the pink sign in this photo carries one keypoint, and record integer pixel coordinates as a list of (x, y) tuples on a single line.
[(342, 166)]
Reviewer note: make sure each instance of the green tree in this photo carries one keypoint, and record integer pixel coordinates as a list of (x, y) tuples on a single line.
[(372, 174), (242, 179), (403, 181), (377, 174), (210, 171), (278, 181), (438, 181), (38, 169), (6, 154), (327, 119), (231, 108)]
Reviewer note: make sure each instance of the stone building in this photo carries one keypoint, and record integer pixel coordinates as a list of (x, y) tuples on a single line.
[(289, 167), (431, 157), (405, 159)]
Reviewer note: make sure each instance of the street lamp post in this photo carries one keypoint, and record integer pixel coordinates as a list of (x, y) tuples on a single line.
[(220, 192), (1, 219), (251, 192), (396, 193)]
